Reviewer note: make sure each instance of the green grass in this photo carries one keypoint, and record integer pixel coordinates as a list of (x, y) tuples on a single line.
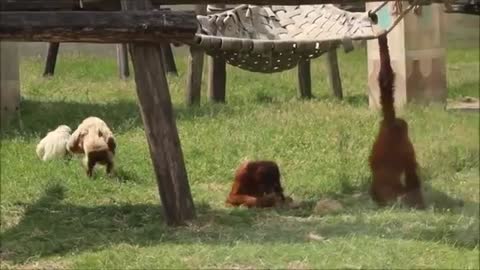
[(53, 216)]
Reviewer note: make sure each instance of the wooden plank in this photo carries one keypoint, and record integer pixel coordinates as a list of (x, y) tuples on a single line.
[(195, 68), (304, 79), (97, 27), (334, 74), (51, 59), (161, 130), (168, 59), (18, 5), (122, 61)]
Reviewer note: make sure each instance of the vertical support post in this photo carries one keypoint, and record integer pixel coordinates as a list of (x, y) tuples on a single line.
[(217, 77), (122, 61), (304, 79), (195, 68), (334, 73), (417, 53), (194, 76), (168, 59), (9, 81), (160, 127), (51, 59)]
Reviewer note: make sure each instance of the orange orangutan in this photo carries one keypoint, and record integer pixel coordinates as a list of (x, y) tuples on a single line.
[(256, 184), (392, 161)]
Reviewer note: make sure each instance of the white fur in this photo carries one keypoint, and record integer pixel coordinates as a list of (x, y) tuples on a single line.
[(93, 135), (53, 145), (89, 126)]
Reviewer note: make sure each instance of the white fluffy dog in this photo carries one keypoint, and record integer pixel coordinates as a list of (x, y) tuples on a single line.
[(54, 144), (94, 139)]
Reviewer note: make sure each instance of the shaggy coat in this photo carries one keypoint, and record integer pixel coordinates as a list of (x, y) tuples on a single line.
[(256, 184), (54, 144), (392, 161), (94, 139)]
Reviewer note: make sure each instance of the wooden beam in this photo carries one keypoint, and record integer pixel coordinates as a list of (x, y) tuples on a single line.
[(334, 74), (161, 130), (122, 61), (304, 79), (51, 59), (195, 68), (168, 59), (97, 27), (17, 5)]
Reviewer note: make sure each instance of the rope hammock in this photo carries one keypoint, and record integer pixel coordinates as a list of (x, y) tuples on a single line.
[(271, 39)]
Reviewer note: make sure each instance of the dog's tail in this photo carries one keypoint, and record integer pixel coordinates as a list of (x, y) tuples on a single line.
[(386, 79)]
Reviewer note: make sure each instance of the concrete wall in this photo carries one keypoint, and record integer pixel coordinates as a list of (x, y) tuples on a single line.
[(9, 81)]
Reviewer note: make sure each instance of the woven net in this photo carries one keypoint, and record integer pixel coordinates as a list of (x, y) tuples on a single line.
[(275, 38)]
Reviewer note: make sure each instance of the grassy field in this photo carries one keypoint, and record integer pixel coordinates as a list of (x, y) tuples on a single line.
[(53, 216)]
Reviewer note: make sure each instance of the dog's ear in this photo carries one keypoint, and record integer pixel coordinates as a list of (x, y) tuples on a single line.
[(112, 145), (75, 143)]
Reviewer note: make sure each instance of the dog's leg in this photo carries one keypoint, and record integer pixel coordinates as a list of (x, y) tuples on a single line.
[(110, 167), (90, 166)]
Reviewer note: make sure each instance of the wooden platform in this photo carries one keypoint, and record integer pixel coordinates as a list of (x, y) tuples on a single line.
[(468, 104)]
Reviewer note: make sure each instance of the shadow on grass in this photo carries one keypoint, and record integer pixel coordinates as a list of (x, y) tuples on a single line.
[(124, 176), (52, 227), (441, 201), (357, 100), (39, 117)]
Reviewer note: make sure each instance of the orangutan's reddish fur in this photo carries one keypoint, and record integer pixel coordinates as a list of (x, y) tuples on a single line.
[(393, 156), (256, 184)]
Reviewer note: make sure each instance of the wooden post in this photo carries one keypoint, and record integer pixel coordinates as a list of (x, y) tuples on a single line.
[(122, 61), (194, 76), (160, 127), (304, 79), (9, 81), (51, 59), (334, 74), (417, 53), (168, 59), (195, 68), (217, 76)]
